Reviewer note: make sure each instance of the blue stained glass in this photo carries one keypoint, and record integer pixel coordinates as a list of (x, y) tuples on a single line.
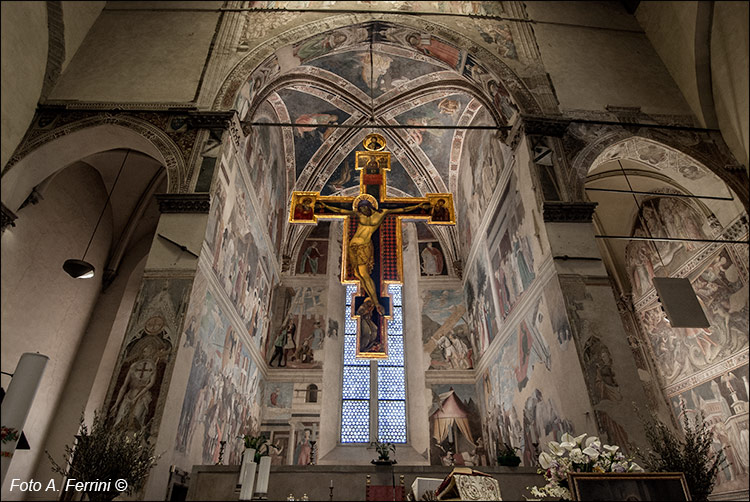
[(356, 382), (350, 290), (395, 291), (350, 325), (396, 325), (395, 352), (392, 421), (391, 383), (355, 422), (350, 352)]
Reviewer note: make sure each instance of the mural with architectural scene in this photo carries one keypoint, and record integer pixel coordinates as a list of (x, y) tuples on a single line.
[(520, 386), (446, 337), (297, 341)]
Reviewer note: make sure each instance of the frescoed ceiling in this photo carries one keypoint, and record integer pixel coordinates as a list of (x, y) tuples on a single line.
[(370, 75)]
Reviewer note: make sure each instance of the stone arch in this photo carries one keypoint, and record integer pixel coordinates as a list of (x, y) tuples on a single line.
[(495, 69), (43, 155), (702, 149)]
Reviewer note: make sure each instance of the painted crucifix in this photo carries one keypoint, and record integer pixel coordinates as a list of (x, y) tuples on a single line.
[(371, 254)]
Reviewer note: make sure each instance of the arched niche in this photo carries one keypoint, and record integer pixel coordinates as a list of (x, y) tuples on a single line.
[(56, 149)]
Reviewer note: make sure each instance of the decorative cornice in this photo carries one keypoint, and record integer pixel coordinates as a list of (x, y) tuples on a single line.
[(7, 218), (210, 120), (569, 212), (183, 202), (544, 126)]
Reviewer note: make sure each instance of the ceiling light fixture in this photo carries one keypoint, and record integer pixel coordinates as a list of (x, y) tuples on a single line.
[(81, 269)]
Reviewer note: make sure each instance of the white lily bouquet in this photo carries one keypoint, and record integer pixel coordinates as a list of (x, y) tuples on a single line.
[(578, 454)]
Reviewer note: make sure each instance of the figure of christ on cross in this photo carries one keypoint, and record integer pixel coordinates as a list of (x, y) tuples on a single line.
[(361, 252), (372, 244)]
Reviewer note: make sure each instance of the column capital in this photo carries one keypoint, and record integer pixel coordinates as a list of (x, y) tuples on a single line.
[(183, 202), (569, 212)]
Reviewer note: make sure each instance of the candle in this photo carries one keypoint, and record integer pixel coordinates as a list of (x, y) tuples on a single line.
[(331, 485), (17, 402)]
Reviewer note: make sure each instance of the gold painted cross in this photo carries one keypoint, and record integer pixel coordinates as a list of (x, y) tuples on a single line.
[(371, 257)]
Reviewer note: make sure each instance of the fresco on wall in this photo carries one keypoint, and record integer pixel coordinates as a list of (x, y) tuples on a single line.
[(436, 143), (355, 67), (239, 257), (723, 400), (663, 217), (432, 261), (222, 399), (483, 157), (511, 257), (445, 334), (313, 257), (279, 396), (723, 294), (311, 114), (455, 427), (148, 350), (480, 305), (298, 340), (346, 176), (265, 163), (517, 386), (477, 8)]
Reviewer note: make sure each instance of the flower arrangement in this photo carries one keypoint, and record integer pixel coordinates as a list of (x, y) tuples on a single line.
[(578, 454)]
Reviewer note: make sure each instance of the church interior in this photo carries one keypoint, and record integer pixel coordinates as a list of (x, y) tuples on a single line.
[(545, 162)]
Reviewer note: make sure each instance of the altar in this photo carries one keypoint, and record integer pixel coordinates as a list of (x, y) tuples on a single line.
[(219, 482)]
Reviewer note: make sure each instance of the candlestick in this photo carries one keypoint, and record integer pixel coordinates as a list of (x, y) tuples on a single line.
[(17, 402), (330, 496)]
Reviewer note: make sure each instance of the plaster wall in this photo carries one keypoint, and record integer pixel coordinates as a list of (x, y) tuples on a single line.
[(671, 27), (596, 58), (52, 231), (94, 362), (24, 59), (78, 17), (729, 62), (152, 55)]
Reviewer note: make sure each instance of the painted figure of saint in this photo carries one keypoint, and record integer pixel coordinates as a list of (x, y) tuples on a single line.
[(304, 209), (439, 212)]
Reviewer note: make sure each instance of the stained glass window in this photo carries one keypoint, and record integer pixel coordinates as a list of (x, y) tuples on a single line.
[(359, 396)]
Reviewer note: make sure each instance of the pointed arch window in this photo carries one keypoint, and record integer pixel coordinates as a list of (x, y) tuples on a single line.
[(373, 404)]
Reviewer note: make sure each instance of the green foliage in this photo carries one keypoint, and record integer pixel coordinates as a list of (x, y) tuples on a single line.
[(507, 451), (259, 444), (106, 453), (384, 450), (506, 455), (692, 454)]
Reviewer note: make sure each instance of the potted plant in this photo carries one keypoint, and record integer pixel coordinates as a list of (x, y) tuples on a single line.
[(691, 452), (105, 452), (384, 453), (507, 456)]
